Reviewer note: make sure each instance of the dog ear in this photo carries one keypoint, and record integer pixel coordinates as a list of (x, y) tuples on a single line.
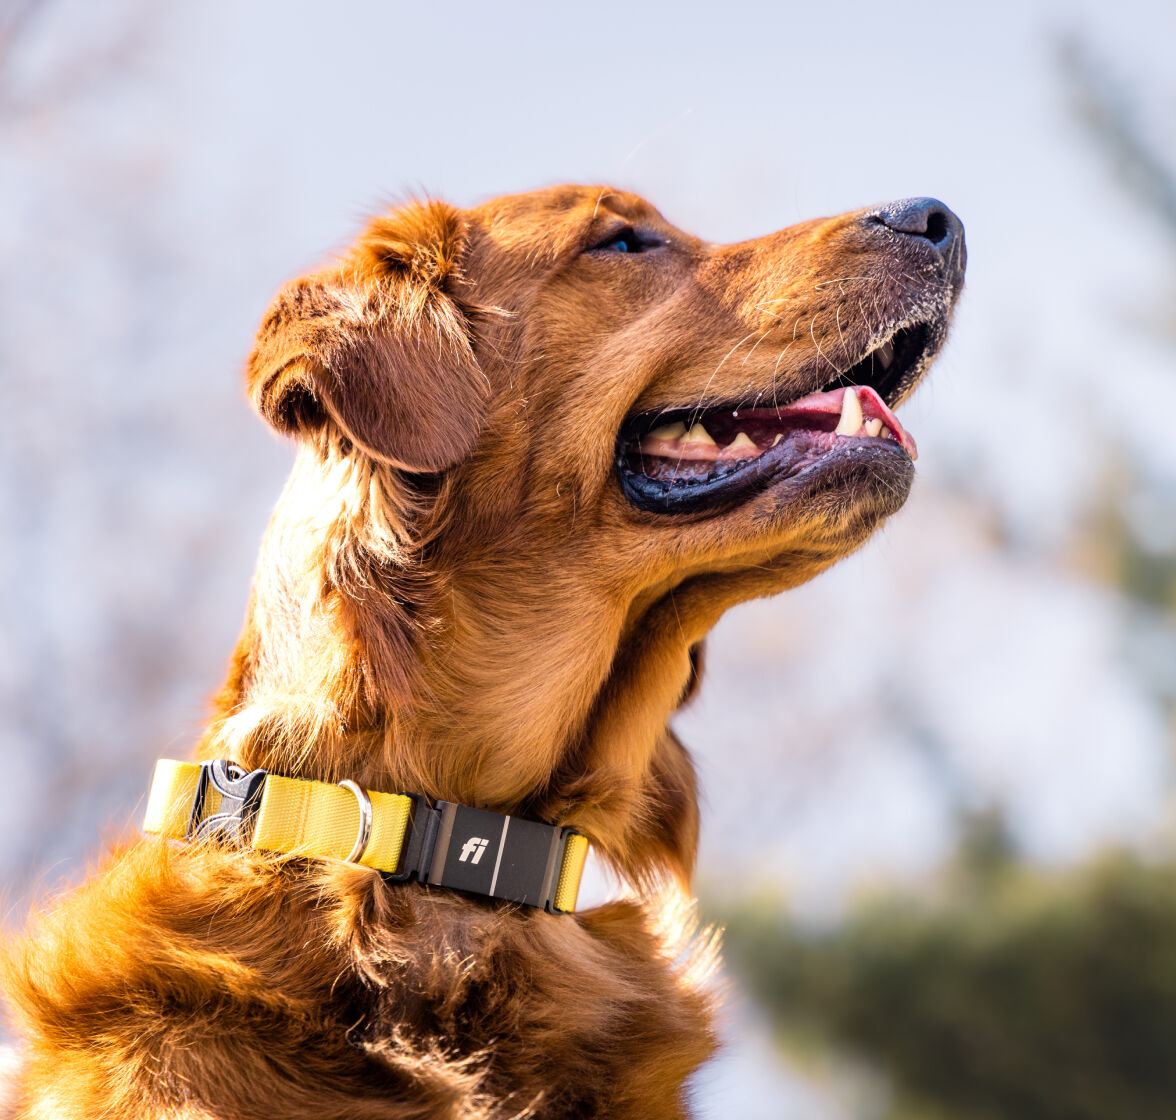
[(377, 347), (697, 662)]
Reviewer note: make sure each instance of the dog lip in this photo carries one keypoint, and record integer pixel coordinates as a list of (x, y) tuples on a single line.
[(674, 469), (753, 476)]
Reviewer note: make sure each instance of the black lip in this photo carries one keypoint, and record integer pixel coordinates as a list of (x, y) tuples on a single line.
[(746, 478), (735, 482)]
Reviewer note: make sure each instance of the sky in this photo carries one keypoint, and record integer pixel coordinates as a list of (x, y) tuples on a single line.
[(167, 168)]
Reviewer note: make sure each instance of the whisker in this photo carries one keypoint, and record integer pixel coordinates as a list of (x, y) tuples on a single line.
[(820, 353), (778, 318), (837, 322), (715, 372), (838, 280), (752, 350)]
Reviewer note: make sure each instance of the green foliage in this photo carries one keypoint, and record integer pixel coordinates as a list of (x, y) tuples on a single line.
[(1014, 994)]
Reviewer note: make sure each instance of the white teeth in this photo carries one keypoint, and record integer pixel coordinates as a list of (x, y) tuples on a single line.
[(851, 414), (669, 432), (698, 434), (886, 433), (778, 438), (743, 442), (873, 427), (885, 354)]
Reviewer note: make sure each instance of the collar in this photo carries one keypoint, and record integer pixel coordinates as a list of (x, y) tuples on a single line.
[(398, 834)]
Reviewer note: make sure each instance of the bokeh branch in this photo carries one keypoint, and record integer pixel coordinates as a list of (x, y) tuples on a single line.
[(1102, 104), (16, 16)]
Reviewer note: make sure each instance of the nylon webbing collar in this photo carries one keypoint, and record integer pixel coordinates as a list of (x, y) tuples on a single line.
[(398, 834)]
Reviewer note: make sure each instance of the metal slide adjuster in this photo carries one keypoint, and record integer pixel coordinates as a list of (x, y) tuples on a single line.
[(240, 795), (364, 835)]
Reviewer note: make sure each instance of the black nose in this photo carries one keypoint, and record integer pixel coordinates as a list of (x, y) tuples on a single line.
[(929, 219)]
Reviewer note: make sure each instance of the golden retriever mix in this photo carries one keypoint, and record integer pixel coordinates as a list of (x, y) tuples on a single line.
[(543, 444)]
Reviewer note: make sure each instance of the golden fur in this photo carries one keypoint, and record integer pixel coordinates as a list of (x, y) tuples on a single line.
[(454, 598)]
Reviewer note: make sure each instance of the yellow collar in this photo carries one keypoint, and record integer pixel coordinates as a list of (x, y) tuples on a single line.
[(398, 834)]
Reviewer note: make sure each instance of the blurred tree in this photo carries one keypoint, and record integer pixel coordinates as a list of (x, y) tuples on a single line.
[(1113, 123), (1013, 994)]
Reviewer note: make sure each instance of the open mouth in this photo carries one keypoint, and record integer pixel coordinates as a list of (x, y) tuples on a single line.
[(684, 460)]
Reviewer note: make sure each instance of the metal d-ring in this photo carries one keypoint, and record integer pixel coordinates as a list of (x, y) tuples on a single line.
[(365, 822)]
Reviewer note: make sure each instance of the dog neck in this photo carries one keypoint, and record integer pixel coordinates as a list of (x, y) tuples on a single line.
[(505, 680), (408, 651)]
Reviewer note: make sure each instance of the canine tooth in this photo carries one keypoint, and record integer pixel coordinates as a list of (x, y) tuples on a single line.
[(873, 427), (779, 437), (851, 414), (698, 434), (743, 442), (669, 432), (886, 433), (885, 354)]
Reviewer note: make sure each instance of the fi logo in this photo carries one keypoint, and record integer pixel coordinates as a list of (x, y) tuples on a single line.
[(472, 850)]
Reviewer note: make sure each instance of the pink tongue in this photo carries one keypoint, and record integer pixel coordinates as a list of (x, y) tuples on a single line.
[(873, 408)]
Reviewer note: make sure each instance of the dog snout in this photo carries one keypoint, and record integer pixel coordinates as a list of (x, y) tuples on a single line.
[(933, 222)]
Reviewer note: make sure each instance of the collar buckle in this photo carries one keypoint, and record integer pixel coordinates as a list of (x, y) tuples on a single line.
[(233, 794)]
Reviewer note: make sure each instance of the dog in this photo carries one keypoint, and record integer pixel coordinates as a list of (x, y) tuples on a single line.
[(542, 445)]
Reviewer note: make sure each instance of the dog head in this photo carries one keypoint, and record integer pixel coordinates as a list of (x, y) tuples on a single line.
[(546, 442)]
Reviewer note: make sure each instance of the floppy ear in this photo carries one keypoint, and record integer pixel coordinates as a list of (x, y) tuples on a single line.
[(377, 348)]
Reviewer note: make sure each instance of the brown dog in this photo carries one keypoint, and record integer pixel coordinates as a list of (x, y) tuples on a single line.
[(543, 445)]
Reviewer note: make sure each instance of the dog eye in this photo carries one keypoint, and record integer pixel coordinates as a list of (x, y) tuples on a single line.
[(623, 241)]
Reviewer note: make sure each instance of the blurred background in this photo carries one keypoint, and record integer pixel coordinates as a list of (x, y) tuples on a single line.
[(939, 820)]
